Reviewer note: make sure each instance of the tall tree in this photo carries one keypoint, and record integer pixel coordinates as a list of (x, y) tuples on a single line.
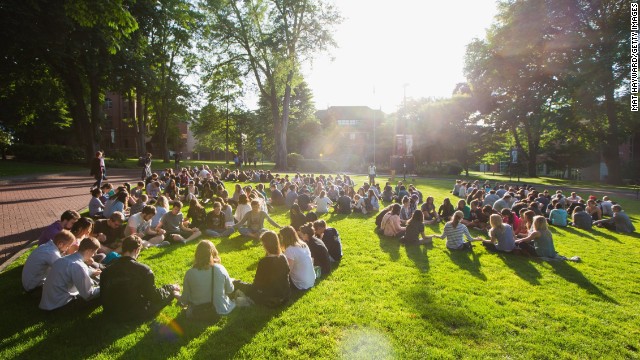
[(270, 39)]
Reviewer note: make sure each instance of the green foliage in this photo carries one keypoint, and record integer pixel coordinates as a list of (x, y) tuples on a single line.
[(317, 166), (440, 168), (118, 156), (294, 159), (48, 153)]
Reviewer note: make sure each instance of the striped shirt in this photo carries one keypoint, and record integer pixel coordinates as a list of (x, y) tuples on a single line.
[(454, 235)]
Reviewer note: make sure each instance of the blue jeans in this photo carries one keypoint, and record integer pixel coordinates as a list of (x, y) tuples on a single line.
[(224, 233)]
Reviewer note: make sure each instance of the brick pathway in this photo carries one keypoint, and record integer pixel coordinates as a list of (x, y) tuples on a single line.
[(27, 205)]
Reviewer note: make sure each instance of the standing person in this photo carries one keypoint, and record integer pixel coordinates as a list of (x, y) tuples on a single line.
[(372, 174), (39, 262), (177, 157), (454, 232), (70, 277), (207, 282), (146, 170), (302, 273), (128, 287), (97, 170), (271, 284)]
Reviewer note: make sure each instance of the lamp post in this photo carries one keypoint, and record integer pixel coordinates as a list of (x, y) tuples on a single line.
[(226, 152)]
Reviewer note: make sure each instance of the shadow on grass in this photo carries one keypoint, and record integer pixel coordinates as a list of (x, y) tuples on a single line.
[(596, 231), (522, 266), (418, 254), (389, 245), (571, 274), (581, 233), (467, 260)]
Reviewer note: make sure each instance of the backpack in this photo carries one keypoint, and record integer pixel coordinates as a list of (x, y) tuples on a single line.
[(141, 161)]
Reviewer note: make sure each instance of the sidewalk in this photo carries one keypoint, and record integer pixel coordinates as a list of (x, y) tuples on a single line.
[(29, 203)]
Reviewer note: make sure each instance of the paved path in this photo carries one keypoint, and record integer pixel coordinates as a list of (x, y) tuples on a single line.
[(29, 204)]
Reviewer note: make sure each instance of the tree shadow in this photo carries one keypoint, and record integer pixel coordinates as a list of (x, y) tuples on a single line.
[(573, 275), (467, 260), (419, 256), (389, 245), (521, 266)]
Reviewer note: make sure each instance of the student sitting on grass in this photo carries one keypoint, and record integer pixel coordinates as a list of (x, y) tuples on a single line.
[(540, 237), (581, 219), (139, 205), (501, 235), (128, 289), (405, 210), (96, 207), (70, 277), (391, 224), (216, 223), (67, 219), (446, 210), (330, 238), (39, 262), (297, 217), (322, 203), (414, 229), (199, 289), (302, 273), (270, 285), (429, 212), (197, 215), (172, 223), (140, 225), (108, 231), (466, 211), (343, 204), (558, 216), (255, 221), (620, 221), (454, 232), (319, 252)]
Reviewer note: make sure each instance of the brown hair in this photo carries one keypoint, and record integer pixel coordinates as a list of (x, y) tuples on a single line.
[(271, 243), (63, 237), (131, 243), (206, 255), (89, 243)]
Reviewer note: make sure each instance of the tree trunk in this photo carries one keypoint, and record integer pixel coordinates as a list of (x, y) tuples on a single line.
[(610, 151), (94, 98), (281, 142), (141, 124), (78, 109)]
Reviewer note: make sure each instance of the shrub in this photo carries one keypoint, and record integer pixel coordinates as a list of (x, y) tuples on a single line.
[(293, 160), (118, 156), (317, 166), (444, 168), (48, 153)]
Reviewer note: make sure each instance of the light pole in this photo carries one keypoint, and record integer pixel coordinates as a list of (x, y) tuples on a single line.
[(226, 151)]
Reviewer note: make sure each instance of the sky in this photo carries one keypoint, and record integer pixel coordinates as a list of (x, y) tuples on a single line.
[(387, 47)]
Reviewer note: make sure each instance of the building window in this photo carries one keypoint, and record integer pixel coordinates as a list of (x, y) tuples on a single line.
[(352, 136), (346, 122), (108, 103)]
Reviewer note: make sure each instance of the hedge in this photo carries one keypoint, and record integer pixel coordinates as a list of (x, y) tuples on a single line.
[(316, 166), (48, 153)]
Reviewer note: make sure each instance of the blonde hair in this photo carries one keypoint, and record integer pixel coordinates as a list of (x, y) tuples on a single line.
[(289, 237), (497, 226), (163, 202), (457, 216), (540, 223), (206, 255)]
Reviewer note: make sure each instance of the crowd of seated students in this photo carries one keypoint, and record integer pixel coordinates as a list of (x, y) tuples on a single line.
[(100, 251)]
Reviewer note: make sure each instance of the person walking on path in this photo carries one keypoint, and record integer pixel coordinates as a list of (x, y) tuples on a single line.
[(146, 171), (97, 170)]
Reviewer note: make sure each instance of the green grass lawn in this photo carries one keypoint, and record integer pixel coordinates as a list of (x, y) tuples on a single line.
[(18, 168), (384, 301)]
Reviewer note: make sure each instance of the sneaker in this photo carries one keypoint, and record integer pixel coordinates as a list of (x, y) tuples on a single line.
[(163, 244), (575, 259)]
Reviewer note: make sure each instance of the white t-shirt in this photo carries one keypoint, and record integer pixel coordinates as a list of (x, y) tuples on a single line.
[(302, 273), (322, 204), (137, 222), (241, 210)]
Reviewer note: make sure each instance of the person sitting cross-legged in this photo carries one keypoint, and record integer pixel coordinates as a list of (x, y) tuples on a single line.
[(70, 277), (620, 221), (255, 221), (128, 287), (172, 223), (216, 222)]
